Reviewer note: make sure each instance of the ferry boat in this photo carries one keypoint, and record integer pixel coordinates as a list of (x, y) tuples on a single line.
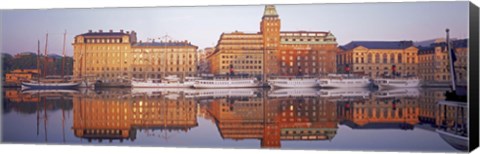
[(344, 81), (292, 82), (293, 92), (168, 82), (402, 82), (227, 82)]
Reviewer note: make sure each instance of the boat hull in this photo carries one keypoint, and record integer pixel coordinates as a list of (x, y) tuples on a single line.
[(223, 84), (161, 85), (293, 83), (393, 83), (71, 85), (344, 83)]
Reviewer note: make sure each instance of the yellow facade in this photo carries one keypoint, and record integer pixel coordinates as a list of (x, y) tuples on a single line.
[(434, 65), (378, 61), (241, 51), (18, 75), (160, 59), (117, 57)]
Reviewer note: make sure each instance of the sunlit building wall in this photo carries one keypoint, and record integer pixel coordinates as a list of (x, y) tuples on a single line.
[(376, 58)]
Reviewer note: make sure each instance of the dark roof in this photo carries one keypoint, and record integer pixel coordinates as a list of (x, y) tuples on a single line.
[(463, 43), (425, 50), (163, 44), (378, 45)]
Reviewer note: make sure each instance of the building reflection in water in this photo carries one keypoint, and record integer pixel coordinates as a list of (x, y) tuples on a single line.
[(117, 115), (272, 119), (39, 102), (270, 116), (386, 109)]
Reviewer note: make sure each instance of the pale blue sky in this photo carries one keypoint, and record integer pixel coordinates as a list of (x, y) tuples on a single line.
[(203, 25)]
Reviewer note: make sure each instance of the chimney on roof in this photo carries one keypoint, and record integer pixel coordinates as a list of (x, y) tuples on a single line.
[(111, 31), (128, 32), (153, 40), (89, 31), (121, 30), (100, 31)]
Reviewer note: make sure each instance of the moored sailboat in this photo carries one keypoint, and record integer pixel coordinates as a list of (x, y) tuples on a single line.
[(44, 83)]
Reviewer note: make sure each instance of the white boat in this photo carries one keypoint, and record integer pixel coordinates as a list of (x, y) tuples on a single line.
[(293, 92), (168, 82), (410, 82), (50, 84), (227, 83), (343, 81), (394, 93), (344, 92), (292, 82)]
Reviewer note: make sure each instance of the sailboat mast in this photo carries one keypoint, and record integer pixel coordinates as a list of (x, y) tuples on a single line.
[(63, 53), (46, 58), (38, 61), (452, 70)]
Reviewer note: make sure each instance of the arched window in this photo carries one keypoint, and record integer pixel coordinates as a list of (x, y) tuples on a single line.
[(377, 58), (392, 58), (385, 58), (369, 58), (399, 58)]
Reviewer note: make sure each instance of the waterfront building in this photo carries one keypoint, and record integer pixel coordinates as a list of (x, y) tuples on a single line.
[(104, 55), (376, 58), (204, 64), (19, 75), (160, 59), (307, 53), (117, 57), (461, 65), (238, 52), (275, 52), (433, 62)]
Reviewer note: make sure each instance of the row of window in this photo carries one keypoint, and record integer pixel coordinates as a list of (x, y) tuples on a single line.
[(300, 64), (242, 67), (241, 62), (109, 40)]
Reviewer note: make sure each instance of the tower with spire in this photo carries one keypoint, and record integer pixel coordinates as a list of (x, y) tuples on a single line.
[(270, 30)]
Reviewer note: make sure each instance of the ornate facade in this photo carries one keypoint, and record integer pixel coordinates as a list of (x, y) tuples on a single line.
[(376, 58), (117, 57)]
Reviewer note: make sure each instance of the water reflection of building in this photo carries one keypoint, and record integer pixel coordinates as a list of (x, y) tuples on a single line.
[(378, 113), (116, 114), (275, 119), (34, 101), (428, 105)]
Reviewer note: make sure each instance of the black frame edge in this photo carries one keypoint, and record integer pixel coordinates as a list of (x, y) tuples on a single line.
[(473, 84)]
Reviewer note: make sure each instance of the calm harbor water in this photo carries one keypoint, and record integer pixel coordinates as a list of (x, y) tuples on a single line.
[(325, 119)]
